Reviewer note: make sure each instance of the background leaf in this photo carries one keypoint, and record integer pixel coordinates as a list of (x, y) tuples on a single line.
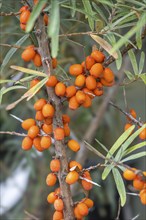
[(88, 9)]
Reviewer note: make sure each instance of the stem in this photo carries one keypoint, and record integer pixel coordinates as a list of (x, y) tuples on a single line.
[(57, 121), (10, 14), (13, 133)]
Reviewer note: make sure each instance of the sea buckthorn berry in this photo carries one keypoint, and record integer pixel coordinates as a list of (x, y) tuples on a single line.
[(98, 92), (76, 69), (52, 81), (58, 215), (74, 163), (48, 110), (70, 91), (54, 63), (142, 134), (55, 165), (65, 119), (58, 205), (80, 80), (46, 142), (37, 60), (24, 16), (88, 92), (98, 56), (127, 126), (46, 19), (96, 70), (27, 143), (60, 89), (26, 124), (48, 121), (72, 177), (80, 97), (73, 145), (39, 116), (73, 104), (23, 26), (37, 144), (34, 82), (83, 209), (51, 198), (48, 129), (66, 130), (89, 62), (39, 104), (143, 198), (133, 113), (77, 213), (87, 185), (57, 191), (105, 83), (28, 54), (51, 179), (129, 174), (142, 191), (108, 75), (87, 102), (86, 174), (138, 184), (90, 83), (59, 134), (23, 8), (89, 203), (33, 131)]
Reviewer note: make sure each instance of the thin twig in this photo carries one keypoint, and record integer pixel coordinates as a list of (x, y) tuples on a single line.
[(13, 133), (15, 46), (119, 210), (10, 13), (30, 215)]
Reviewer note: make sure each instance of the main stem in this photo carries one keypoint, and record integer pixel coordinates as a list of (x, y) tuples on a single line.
[(57, 121)]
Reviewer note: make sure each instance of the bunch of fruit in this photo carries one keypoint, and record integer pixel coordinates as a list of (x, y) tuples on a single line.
[(139, 182), (142, 134)]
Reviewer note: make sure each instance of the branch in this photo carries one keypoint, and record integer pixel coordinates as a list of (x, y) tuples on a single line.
[(30, 215), (10, 13), (13, 133), (15, 46)]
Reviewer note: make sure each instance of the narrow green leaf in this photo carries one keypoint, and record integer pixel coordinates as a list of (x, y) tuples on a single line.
[(141, 62), (73, 11), (89, 10), (12, 51), (135, 147), (133, 61), (143, 77), (106, 171), (87, 145), (103, 147), (13, 88), (134, 156), (129, 75), (55, 45), (2, 81), (138, 39), (100, 12), (120, 185), (35, 14), (29, 71)]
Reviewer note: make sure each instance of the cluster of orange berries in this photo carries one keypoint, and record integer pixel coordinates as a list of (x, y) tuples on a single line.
[(139, 182), (142, 134)]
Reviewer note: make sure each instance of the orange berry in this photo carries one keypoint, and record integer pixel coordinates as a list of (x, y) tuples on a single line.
[(77, 213), (37, 144), (28, 54), (51, 179), (37, 60), (23, 26), (127, 126), (39, 116), (87, 102), (26, 124), (52, 81), (142, 134), (55, 165), (59, 134), (90, 83), (129, 174), (48, 110), (27, 143), (58, 205), (80, 80), (142, 191), (70, 91), (88, 92), (57, 191), (60, 89), (98, 56), (65, 119), (46, 19), (83, 209), (66, 130), (89, 203), (33, 131), (76, 69), (89, 62), (108, 75), (73, 145), (133, 113), (51, 198), (138, 184), (143, 198), (98, 92), (39, 104), (34, 82), (58, 215), (105, 83), (87, 185), (23, 8), (48, 121), (80, 97), (96, 70), (46, 142), (74, 163), (24, 16), (72, 177), (73, 104), (48, 129), (54, 63)]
